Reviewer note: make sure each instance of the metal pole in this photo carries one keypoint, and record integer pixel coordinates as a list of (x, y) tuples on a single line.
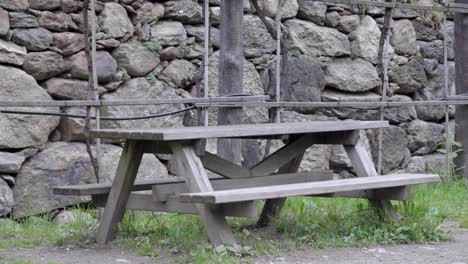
[(206, 87)]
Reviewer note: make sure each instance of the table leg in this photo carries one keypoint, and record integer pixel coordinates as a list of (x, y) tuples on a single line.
[(121, 188), (190, 166), (364, 167)]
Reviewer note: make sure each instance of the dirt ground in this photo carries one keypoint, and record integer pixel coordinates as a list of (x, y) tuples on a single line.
[(454, 252)]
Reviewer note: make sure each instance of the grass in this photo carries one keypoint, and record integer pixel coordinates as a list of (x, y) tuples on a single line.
[(304, 222)]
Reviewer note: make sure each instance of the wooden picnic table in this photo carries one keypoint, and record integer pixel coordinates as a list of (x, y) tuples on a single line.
[(236, 190)]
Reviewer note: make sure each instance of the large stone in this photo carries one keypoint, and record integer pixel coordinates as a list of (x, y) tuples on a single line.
[(149, 13), (306, 81), (10, 53), (410, 77), (257, 40), (44, 65), (423, 137), (14, 5), (69, 43), (394, 115), (106, 66), (435, 163), (404, 37), (352, 75), (139, 88), (312, 11), (181, 73), (185, 11), (135, 59), (251, 84), (168, 33), (69, 89), (6, 198), (44, 4), (23, 20), (199, 33), (70, 6), (10, 162), (393, 144), (74, 217), (58, 21), (365, 40), (416, 164), (33, 189), (72, 129), (432, 50), (34, 39), (288, 8), (314, 40), (22, 131), (426, 30), (4, 22), (114, 21)]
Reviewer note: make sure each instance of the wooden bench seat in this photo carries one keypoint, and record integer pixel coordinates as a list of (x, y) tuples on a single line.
[(310, 188)]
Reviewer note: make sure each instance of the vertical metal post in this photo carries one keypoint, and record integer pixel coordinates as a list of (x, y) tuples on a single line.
[(95, 83), (206, 87), (278, 60), (448, 146)]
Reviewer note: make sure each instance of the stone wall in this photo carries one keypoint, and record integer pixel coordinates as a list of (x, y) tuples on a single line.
[(152, 50)]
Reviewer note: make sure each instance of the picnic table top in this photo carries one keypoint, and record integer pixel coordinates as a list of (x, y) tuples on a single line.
[(235, 131)]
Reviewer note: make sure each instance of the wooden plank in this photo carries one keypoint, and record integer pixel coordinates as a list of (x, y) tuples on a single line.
[(190, 166), (235, 131), (223, 167), (165, 192), (144, 202), (157, 147), (311, 188), (393, 193), (121, 187)]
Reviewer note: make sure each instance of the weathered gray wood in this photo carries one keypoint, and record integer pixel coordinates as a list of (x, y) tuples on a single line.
[(461, 85), (310, 188), (393, 193), (273, 207), (165, 192), (223, 167), (190, 166), (241, 131), (231, 60), (144, 202), (121, 187)]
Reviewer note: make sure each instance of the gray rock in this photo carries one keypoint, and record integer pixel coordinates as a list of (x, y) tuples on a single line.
[(34, 39), (138, 88), (74, 217), (58, 21), (288, 8), (332, 19), (350, 23), (257, 40), (365, 40), (6, 198), (10, 162), (114, 21), (251, 84), (44, 65), (426, 30), (23, 20), (71, 129), (181, 73), (10, 53), (106, 66), (69, 43), (306, 81), (168, 33), (4, 22), (432, 50), (432, 113), (185, 11), (44, 4), (8, 179), (394, 145), (149, 13), (70, 6), (107, 43), (16, 5), (198, 33), (430, 67), (69, 89), (417, 164), (423, 137), (135, 59), (314, 40), (409, 77), (350, 75), (435, 163), (312, 11), (20, 131), (33, 189), (394, 115), (403, 37), (171, 53)]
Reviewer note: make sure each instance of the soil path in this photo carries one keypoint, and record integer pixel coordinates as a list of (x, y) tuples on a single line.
[(454, 252)]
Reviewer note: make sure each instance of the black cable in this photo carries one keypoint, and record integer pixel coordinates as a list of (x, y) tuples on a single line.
[(102, 118)]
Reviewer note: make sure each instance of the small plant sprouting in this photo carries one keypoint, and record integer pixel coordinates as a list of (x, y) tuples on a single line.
[(455, 147), (294, 52), (152, 45)]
